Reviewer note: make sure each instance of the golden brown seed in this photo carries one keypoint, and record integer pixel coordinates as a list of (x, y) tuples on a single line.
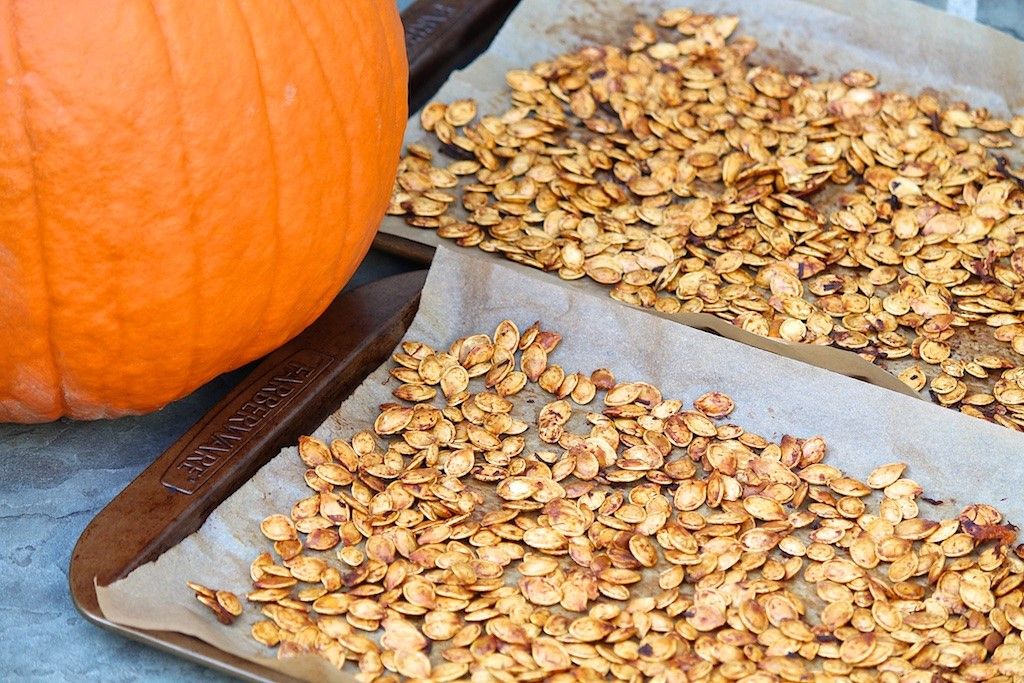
[(266, 633), (230, 602), (534, 361), (366, 609), (223, 616), (763, 508), (714, 404), (643, 550), (322, 539), (603, 379), (584, 391), (460, 463), (412, 664), (393, 420), (308, 569), (454, 381), (551, 379), (278, 528), (313, 451), (268, 594), (550, 654), (622, 394), (885, 475), (333, 473), (460, 112), (506, 336), (200, 589), (432, 114), (415, 393)]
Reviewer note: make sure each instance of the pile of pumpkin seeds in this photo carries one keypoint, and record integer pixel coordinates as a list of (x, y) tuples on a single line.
[(509, 520), (685, 178), (225, 605)]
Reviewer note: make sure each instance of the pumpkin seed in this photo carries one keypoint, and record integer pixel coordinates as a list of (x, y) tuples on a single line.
[(224, 604), (460, 112), (266, 633), (278, 528)]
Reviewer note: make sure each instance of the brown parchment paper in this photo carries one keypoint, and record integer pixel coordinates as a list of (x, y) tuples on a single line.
[(909, 46), (956, 458)]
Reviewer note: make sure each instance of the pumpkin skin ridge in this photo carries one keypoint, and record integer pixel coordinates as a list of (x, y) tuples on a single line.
[(343, 244), (315, 308), (82, 404), (186, 172), (364, 240), (356, 242), (58, 400), (233, 352), (118, 289), (400, 106), (319, 207), (274, 166)]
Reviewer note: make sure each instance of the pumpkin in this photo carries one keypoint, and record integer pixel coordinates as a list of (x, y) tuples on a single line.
[(184, 186)]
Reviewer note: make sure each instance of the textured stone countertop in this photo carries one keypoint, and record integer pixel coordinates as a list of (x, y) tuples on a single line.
[(54, 478)]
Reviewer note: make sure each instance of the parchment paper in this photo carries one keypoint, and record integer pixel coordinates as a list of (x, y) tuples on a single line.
[(956, 458), (909, 46)]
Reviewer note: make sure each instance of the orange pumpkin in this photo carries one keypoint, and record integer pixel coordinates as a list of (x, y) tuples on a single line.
[(184, 186)]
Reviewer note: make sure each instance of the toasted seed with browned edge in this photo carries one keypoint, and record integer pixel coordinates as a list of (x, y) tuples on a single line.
[(224, 604)]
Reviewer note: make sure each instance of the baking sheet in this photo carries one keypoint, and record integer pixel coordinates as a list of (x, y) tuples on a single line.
[(909, 46), (956, 458)]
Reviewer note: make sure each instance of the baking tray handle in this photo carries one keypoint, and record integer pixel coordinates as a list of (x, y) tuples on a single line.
[(442, 35), (288, 394)]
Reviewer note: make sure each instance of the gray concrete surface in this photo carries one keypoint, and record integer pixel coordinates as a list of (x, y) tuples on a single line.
[(54, 478)]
